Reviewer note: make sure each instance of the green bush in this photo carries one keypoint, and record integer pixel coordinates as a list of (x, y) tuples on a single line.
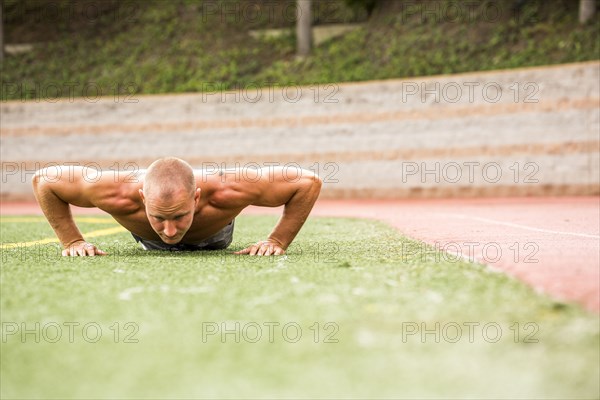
[(163, 47)]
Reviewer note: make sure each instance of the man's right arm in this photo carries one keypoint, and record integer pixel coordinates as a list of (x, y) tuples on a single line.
[(55, 189)]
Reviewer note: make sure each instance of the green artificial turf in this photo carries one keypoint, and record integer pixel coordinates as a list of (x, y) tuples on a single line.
[(349, 293)]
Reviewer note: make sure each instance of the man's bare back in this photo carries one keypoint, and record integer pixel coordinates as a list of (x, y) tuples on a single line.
[(175, 217)]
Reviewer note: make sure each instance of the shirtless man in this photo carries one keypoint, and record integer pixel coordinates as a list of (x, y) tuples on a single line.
[(170, 206)]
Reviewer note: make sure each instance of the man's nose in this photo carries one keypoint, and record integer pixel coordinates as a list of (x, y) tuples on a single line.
[(170, 229)]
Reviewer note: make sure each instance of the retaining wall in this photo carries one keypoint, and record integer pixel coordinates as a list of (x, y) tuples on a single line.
[(532, 131)]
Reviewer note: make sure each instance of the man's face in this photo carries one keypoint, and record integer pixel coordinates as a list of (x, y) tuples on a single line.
[(172, 217)]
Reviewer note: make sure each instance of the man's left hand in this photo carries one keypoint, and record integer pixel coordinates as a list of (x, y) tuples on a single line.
[(263, 248)]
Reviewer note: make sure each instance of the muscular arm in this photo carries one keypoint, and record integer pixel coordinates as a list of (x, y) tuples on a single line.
[(55, 189), (299, 200), (297, 190)]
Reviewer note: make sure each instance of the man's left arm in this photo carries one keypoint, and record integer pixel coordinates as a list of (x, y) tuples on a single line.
[(297, 191)]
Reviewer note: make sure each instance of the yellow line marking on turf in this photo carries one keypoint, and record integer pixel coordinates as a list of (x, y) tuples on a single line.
[(91, 220), (92, 234), (104, 232)]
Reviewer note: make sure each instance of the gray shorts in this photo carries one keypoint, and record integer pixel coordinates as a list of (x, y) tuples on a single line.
[(218, 241)]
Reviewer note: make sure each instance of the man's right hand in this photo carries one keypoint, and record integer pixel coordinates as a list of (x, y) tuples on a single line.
[(82, 248)]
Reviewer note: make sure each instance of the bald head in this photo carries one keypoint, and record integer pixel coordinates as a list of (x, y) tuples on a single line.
[(167, 177)]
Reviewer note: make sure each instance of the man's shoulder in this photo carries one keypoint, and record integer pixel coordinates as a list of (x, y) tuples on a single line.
[(117, 192)]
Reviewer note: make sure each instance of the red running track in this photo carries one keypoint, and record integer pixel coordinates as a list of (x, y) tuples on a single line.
[(553, 244)]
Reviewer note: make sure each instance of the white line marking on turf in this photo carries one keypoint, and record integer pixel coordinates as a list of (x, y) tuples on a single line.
[(529, 228), (128, 293)]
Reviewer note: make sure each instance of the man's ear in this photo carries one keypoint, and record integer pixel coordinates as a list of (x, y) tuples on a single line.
[(197, 196), (141, 192)]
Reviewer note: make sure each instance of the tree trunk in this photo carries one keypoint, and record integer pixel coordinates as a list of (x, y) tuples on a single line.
[(384, 8), (1, 34), (587, 9), (303, 28)]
